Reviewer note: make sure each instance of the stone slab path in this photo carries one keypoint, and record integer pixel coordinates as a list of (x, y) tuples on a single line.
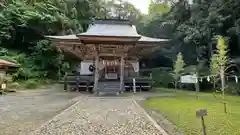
[(101, 116)]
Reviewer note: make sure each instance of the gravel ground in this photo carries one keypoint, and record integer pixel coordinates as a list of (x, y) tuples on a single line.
[(100, 116), (24, 112)]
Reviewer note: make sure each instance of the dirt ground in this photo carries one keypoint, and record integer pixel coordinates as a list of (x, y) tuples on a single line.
[(24, 112)]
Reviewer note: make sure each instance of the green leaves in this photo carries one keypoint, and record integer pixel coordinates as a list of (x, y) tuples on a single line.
[(178, 67), (23, 24), (222, 50), (179, 64)]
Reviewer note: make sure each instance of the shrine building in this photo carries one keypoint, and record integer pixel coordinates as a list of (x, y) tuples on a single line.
[(109, 51)]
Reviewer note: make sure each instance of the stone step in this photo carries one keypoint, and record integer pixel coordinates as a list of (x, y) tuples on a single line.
[(109, 87)]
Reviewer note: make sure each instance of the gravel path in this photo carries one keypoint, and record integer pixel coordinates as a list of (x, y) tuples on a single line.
[(98, 116), (24, 112)]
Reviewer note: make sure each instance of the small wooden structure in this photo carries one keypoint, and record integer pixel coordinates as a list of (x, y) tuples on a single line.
[(4, 66), (113, 47)]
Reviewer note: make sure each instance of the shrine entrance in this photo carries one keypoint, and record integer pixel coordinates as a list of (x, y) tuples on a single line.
[(111, 69), (111, 73)]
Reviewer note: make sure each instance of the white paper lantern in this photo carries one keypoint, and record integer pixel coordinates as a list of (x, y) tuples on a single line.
[(208, 79)]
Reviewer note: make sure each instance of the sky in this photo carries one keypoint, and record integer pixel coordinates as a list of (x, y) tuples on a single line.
[(141, 4)]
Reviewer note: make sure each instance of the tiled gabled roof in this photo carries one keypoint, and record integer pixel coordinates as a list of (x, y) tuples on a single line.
[(112, 30)]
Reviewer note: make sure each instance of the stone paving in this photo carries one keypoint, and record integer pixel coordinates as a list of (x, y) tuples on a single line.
[(101, 116), (21, 113)]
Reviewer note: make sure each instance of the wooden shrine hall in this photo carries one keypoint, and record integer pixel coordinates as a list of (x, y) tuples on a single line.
[(109, 51)]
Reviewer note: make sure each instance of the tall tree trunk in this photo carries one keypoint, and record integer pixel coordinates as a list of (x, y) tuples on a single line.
[(223, 89), (197, 85), (214, 83), (210, 43), (175, 84), (222, 82)]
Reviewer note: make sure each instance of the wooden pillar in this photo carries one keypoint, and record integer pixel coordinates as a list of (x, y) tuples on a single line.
[(122, 63), (96, 74)]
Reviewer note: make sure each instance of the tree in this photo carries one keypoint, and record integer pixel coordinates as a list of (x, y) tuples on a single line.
[(219, 63), (41, 17), (119, 9), (222, 61), (158, 8), (178, 68), (214, 68)]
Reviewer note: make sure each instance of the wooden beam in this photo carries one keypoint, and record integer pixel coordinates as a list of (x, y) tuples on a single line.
[(70, 43)]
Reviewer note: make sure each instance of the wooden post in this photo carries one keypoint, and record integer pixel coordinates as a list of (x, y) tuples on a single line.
[(122, 87), (200, 114), (203, 126), (225, 107), (96, 74)]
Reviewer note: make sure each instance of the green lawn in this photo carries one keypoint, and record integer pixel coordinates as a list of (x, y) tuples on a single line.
[(181, 110)]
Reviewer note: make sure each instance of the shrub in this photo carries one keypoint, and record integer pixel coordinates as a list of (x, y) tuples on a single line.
[(163, 78), (14, 85), (44, 81), (233, 88), (31, 84)]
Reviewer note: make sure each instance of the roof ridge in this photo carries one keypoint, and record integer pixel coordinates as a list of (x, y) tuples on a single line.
[(112, 21)]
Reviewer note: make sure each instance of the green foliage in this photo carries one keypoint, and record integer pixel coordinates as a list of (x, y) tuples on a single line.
[(179, 64), (178, 67), (14, 85), (193, 26), (31, 84), (220, 61), (158, 8), (233, 88), (222, 50), (23, 24), (163, 78), (214, 65), (118, 9)]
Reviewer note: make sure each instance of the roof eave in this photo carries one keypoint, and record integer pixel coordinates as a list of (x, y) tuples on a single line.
[(153, 42), (134, 37), (61, 38)]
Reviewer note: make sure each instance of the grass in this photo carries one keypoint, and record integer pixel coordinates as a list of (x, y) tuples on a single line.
[(181, 110)]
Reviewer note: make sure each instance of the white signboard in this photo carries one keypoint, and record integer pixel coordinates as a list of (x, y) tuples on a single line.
[(188, 79), (84, 70)]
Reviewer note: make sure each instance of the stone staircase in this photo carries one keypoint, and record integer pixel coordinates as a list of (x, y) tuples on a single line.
[(109, 87)]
